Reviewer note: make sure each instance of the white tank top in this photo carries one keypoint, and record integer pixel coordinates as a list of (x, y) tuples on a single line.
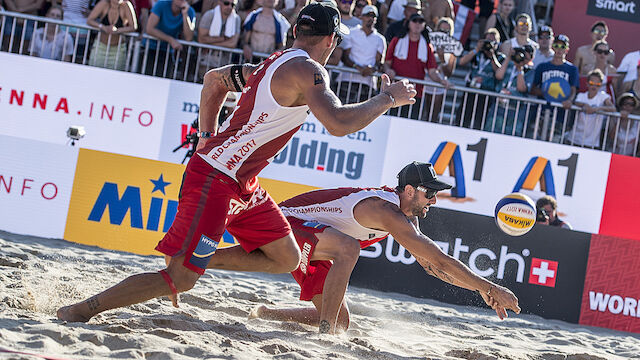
[(258, 129), (334, 207)]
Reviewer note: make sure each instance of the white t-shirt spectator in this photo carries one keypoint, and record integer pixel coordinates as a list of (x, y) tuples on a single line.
[(587, 128), (61, 46), (396, 12), (629, 65), (363, 51)]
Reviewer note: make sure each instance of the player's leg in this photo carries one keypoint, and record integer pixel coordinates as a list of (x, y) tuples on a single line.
[(308, 316)]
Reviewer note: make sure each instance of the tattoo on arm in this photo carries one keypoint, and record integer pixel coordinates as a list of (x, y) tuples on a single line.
[(324, 327), (93, 303), (317, 79), (439, 274)]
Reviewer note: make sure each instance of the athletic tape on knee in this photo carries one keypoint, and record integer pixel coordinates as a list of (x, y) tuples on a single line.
[(167, 279)]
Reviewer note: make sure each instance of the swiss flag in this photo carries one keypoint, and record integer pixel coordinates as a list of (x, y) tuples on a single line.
[(543, 272)]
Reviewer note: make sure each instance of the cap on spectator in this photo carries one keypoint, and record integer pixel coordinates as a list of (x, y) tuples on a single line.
[(418, 173), (416, 16), (545, 29), (413, 4), (323, 18), (562, 38), (625, 96), (370, 9)]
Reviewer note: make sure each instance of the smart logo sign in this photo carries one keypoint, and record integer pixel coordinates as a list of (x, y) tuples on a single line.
[(626, 10)]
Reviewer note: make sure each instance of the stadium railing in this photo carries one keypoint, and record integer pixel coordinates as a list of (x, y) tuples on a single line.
[(460, 106)]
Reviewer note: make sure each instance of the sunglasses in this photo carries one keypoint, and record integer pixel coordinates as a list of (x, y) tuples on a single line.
[(559, 46), (628, 103), (600, 32), (428, 193), (603, 52), (338, 39), (593, 83), (418, 20), (546, 37), (227, 3), (346, 1), (523, 23)]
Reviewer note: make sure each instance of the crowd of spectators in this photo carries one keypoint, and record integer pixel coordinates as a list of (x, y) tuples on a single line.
[(515, 57)]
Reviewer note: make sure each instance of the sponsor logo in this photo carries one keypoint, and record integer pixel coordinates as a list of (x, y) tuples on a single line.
[(619, 6), (537, 171), (203, 252), (20, 186), (447, 155), (615, 304), (306, 249), (131, 203), (235, 206), (482, 261), (317, 155), (190, 107), (237, 152)]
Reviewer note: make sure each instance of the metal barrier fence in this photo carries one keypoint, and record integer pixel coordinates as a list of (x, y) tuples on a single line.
[(456, 106)]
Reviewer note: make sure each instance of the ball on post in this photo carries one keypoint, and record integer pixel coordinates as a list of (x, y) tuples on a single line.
[(515, 214)]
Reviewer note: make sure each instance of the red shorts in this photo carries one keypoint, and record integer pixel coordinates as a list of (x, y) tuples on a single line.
[(211, 202), (310, 275)]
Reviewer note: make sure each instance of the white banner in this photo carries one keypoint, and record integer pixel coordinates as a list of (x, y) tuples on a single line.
[(121, 112), (314, 157), (36, 179), (484, 167), (182, 109)]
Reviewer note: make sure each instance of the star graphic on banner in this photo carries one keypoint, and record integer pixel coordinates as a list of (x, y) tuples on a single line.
[(159, 184)]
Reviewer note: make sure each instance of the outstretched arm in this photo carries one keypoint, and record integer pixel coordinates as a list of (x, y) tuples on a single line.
[(217, 83)]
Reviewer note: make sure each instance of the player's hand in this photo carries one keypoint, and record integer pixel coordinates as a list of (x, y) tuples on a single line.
[(502, 299), (402, 91)]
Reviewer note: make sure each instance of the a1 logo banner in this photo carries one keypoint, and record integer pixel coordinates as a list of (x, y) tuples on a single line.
[(483, 167)]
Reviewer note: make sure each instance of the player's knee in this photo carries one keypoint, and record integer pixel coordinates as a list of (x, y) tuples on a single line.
[(291, 260), (349, 252)]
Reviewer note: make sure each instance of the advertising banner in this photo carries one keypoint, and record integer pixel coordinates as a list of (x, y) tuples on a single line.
[(626, 10), (545, 268), (121, 112), (483, 167), (621, 204), (316, 158), (611, 295), (35, 186)]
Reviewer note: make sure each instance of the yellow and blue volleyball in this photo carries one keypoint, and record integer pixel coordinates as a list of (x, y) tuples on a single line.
[(515, 214)]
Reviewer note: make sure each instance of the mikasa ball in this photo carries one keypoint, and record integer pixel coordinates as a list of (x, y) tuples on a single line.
[(515, 214)]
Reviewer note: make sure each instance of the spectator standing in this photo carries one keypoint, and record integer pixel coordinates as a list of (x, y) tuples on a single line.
[(52, 44), (399, 28), (521, 38), (112, 17), (623, 135), (633, 86), (346, 13), (396, 10), (585, 56), (363, 51), (360, 4), (545, 39), (502, 21), (141, 8), (246, 7), (169, 20), (446, 64), (587, 129), (514, 77), (220, 26), (434, 10), (601, 51), (486, 8), (265, 30), (383, 10), (550, 205), (412, 56), (628, 66)]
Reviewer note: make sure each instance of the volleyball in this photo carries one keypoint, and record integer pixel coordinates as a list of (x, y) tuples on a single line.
[(515, 214)]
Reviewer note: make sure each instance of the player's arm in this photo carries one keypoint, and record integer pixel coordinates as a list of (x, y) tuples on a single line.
[(217, 83), (341, 119)]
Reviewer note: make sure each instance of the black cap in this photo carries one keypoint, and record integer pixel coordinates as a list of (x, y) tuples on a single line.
[(323, 17), (416, 16), (418, 173)]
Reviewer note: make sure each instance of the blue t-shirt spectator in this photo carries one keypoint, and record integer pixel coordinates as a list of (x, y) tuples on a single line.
[(169, 23), (556, 81)]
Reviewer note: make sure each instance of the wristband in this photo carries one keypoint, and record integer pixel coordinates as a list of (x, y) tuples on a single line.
[(204, 134), (393, 100), (236, 76)]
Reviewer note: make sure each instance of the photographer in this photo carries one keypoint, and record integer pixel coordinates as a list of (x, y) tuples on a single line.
[(550, 206), (485, 60), (514, 77), (542, 217)]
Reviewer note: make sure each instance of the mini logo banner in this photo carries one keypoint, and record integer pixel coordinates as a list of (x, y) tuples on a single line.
[(203, 252)]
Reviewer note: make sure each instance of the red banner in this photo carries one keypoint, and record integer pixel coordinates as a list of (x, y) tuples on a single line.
[(622, 199)]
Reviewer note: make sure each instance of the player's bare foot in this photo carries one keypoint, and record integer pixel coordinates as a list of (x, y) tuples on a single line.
[(257, 312), (67, 313)]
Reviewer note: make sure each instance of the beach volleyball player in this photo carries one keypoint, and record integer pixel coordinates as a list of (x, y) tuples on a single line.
[(332, 225), (220, 188)]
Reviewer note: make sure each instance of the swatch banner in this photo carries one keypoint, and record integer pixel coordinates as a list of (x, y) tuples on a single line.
[(36, 179), (545, 268), (483, 167), (121, 112), (611, 295)]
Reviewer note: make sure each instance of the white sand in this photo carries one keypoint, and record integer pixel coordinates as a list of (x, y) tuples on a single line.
[(39, 275)]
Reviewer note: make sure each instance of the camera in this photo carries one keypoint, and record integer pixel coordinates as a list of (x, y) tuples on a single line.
[(519, 54), (76, 132), (487, 45), (541, 215)]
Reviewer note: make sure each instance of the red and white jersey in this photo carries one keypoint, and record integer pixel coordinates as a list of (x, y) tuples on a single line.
[(334, 207), (258, 129)]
